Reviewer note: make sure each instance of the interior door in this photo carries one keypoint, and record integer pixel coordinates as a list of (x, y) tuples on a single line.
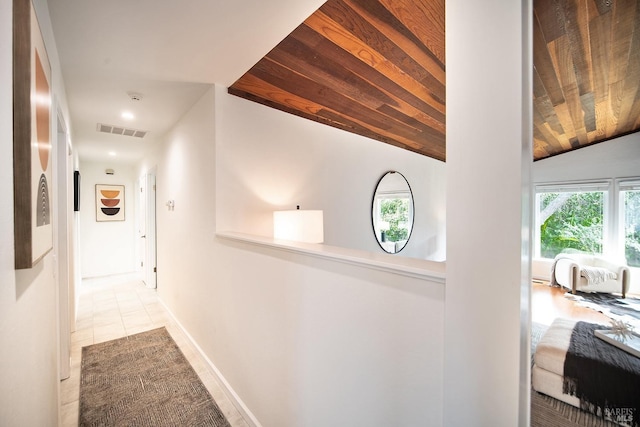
[(150, 269), (142, 223)]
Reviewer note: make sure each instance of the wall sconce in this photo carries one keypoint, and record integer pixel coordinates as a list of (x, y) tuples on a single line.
[(299, 225)]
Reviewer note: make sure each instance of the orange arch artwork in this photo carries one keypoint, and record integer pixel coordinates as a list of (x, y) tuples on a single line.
[(43, 142), (109, 202), (32, 141)]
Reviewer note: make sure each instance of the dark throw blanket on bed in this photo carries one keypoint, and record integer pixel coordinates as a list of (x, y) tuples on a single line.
[(604, 378)]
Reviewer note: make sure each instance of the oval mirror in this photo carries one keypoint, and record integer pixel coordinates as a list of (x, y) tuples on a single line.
[(392, 212)]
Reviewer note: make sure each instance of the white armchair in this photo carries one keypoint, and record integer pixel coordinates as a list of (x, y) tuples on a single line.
[(590, 273)]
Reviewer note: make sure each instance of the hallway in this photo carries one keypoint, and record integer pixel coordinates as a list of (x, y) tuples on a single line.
[(117, 306)]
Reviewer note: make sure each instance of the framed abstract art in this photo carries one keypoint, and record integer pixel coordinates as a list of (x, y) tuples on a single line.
[(32, 148), (109, 202)]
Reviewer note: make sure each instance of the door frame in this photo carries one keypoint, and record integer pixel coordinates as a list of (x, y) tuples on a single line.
[(63, 238)]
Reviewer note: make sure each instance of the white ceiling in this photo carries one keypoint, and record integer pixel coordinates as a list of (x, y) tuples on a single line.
[(169, 51)]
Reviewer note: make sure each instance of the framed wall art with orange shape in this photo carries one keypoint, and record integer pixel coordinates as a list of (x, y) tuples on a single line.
[(109, 202), (32, 147)]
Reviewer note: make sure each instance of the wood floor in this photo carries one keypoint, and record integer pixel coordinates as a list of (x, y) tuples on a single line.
[(548, 303)]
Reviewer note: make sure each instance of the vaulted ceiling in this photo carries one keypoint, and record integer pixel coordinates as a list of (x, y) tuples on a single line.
[(586, 72), (377, 68)]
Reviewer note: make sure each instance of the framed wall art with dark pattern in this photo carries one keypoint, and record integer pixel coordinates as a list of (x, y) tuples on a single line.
[(109, 202), (32, 148)]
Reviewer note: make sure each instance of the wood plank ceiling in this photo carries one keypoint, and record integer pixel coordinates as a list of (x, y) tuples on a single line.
[(377, 68), (586, 73)]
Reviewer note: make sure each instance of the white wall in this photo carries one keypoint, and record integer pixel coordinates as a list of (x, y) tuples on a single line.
[(107, 248), (321, 343), (185, 173), (302, 341), (272, 160), (488, 136), (29, 390), (617, 158)]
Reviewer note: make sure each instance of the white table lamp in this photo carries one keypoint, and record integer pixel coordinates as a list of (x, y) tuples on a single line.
[(299, 225)]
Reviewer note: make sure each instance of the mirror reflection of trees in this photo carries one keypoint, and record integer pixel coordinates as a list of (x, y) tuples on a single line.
[(392, 212), (395, 212)]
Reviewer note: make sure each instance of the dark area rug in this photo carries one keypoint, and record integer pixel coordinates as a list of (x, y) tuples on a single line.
[(549, 412), (143, 380)]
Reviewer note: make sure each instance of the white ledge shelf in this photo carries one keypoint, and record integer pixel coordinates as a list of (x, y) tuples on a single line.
[(412, 267)]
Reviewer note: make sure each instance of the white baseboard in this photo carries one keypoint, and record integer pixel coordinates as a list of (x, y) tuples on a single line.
[(233, 397), (541, 268)]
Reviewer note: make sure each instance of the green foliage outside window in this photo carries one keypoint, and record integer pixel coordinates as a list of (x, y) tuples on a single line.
[(576, 222), (396, 213), (632, 227)]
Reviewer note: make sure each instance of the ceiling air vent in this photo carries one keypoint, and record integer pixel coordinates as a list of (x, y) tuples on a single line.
[(118, 130)]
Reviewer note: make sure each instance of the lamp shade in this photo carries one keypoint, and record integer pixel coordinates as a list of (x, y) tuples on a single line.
[(298, 225)]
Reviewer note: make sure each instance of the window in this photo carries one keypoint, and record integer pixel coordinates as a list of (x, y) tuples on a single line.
[(589, 217), (571, 217), (630, 221)]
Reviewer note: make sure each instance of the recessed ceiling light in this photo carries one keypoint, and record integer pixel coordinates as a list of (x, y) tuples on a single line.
[(112, 153), (127, 115)]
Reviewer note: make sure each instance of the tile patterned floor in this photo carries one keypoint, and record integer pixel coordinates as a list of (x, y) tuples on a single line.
[(117, 306)]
